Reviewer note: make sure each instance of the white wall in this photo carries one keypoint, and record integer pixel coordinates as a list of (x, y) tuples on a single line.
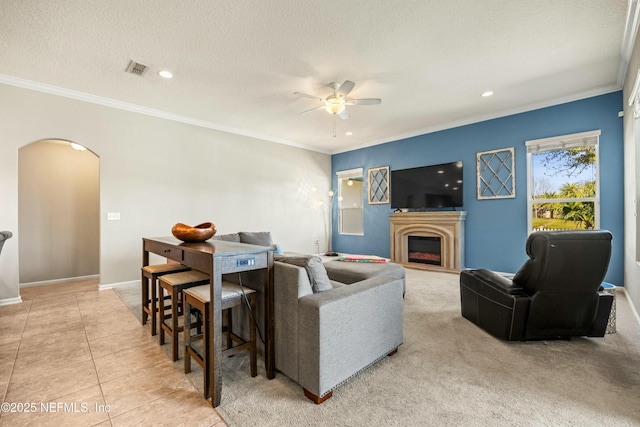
[(631, 170), (158, 172)]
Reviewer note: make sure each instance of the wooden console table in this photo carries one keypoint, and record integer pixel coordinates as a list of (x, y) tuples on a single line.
[(216, 258)]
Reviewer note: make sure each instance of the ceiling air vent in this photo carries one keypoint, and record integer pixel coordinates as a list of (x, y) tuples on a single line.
[(136, 68)]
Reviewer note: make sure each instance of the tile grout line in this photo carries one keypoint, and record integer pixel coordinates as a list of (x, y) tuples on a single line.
[(100, 382), (92, 358), (15, 358)]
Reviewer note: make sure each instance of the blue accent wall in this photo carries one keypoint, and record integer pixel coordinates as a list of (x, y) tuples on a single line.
[(496, 230)]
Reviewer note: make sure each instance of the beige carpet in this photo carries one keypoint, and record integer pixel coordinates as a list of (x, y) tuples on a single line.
[(448, 372)]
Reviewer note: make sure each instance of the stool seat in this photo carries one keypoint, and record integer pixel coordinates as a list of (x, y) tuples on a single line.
[(185, 277), (228, 291), (174, 284), (199, 298), (150, 274), (165, 268)]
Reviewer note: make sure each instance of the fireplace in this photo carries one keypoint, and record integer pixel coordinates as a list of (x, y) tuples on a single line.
[(428, 240), (425, 250)]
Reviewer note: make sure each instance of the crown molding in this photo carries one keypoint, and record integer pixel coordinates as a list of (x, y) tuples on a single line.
[(482, 118), (120, 105), (628, 40)]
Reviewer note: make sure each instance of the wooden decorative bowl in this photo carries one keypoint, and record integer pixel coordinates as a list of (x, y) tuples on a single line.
[(199, 233)]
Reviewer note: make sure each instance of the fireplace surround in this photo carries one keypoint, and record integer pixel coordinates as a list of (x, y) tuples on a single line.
[(424, 230)]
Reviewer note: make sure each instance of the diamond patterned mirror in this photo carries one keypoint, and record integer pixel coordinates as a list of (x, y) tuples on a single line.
[(496, 174), (379, 185)]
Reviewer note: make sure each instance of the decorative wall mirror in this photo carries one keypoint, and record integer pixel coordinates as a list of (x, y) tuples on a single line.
[(379, 185), (496, 174)]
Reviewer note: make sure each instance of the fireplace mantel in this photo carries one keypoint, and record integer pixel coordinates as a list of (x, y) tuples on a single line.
[(448, 226)]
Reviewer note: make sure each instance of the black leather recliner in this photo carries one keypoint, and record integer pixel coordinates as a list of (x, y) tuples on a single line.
[(556, 293)]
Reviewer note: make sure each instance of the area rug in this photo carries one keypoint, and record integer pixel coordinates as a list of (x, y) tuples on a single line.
[(449, 372)]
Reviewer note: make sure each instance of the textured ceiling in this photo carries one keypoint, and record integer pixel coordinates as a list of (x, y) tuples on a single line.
[(237, 63)]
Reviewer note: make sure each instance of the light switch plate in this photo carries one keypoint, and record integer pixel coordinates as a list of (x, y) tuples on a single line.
[(113, 216)]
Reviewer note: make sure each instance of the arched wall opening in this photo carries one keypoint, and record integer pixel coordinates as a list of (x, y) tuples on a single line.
[(58, 213)]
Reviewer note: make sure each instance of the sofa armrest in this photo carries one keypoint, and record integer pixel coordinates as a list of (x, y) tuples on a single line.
[(343, 330)]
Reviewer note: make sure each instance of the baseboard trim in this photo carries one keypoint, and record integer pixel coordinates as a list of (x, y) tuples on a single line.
[(10, 301), (633, 308), (58, 281), (118, 284)]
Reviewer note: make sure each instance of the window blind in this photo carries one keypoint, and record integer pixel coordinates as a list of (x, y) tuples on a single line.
[(583, 139), (351, 173)]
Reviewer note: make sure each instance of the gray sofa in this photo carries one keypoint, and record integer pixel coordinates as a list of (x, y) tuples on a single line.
[(323, 338)]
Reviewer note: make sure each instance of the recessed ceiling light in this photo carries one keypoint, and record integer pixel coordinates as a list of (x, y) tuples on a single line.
[(487, 93), (349, 133), (166, 74)]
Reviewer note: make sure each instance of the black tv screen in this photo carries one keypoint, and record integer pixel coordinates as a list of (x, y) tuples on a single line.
[(427, 187)]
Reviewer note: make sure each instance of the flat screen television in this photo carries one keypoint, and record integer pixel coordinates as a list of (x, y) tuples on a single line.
[(427, 187)]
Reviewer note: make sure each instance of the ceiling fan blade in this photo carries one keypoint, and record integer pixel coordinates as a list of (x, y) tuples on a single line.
[(345, 88), (344, 115), (364, 101), (313, 109), (308, 96)]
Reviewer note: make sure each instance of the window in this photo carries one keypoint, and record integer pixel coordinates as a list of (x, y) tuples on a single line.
[(563, 184), (351, 197)]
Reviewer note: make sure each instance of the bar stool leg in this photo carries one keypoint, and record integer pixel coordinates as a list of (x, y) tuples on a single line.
[(187, 337), (161, 309), (174, 324), (145, 297), (154, 307), (203, 357)]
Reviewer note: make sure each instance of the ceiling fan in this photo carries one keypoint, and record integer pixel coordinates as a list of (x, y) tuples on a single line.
[(337, 102)]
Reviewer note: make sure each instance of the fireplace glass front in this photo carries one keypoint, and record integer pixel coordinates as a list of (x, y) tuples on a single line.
[(425, 250)]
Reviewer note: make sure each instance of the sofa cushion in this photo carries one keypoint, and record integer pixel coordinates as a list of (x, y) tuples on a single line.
[(315, 270), (260, 238), (233, 237)]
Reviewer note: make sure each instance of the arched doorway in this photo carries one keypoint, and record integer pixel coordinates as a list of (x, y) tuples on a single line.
[(58, 213)]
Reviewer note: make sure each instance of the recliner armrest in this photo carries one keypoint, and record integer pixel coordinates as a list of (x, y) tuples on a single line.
[(498, 281)]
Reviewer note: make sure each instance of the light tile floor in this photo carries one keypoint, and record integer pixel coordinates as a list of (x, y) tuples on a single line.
[(75, 356)]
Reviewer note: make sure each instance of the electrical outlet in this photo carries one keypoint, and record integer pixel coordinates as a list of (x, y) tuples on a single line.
[(246, 262), (113, 216)]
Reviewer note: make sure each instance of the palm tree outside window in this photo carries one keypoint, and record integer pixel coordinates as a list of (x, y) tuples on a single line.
[(563, 184)]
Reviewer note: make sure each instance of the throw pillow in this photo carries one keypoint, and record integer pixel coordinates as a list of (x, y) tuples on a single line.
[(276, 249), (315, 270), (260, 238), (233, 237)]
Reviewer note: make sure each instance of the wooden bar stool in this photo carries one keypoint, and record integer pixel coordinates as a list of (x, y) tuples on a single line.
[(174, 284), (198, 298), (150, 274)]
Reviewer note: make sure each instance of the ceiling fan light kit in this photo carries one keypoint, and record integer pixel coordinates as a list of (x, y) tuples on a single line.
[(337, 102), (334, 104)]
